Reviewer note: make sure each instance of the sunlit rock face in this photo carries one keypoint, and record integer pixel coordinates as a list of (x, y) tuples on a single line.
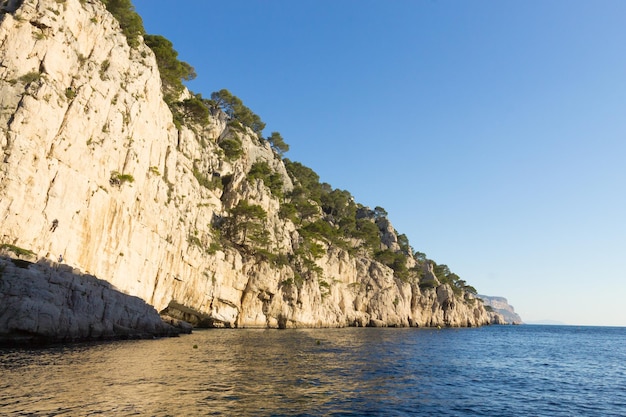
[(500, 305), (94, 169)]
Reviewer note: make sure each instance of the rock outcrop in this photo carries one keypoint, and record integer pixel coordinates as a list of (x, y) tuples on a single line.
[(94, 169), (51, 303), (500, 305)]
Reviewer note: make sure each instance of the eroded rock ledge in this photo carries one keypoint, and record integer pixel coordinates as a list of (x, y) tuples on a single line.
[(45, 302)]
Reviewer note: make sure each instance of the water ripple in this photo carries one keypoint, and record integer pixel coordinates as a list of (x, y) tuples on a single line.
[(494, 371)]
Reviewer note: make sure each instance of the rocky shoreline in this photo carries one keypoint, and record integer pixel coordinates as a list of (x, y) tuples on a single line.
[(201, 218), (44, 303)]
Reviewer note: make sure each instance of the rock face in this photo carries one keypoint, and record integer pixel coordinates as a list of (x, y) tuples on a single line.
[(94, 169), (44, 303), (501, 306)]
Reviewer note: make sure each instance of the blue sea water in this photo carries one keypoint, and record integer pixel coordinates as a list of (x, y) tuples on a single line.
[(526, 370)]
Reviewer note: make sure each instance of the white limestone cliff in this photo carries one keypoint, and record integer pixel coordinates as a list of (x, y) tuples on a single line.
[(500, 305), (94, 169)]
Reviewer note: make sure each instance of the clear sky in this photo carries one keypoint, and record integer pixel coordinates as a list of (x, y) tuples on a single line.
[(493, 132)]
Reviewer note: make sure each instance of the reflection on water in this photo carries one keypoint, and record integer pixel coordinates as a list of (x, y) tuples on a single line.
[(489, 371), (241, 372)]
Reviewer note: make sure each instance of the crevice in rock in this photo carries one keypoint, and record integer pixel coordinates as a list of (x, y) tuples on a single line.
[(39, 25), (48, 191)]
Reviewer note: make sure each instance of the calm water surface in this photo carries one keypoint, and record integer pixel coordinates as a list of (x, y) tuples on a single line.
[(490, 371)]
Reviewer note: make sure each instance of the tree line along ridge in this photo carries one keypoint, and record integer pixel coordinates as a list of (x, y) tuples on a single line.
[(320, 213)]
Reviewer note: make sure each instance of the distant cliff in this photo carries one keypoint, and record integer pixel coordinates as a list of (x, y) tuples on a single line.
[(501, 306), (200, 217)]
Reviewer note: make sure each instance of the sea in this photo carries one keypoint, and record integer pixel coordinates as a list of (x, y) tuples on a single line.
[(526, 370)]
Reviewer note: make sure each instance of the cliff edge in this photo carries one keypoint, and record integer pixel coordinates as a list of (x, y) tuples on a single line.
[(205, 221), (500, 305)]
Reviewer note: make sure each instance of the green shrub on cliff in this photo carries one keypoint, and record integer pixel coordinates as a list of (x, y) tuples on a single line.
[(445, 276), (211, 183), (30, 77), (394, 260), (338, 204), (235, 109), (232, 148), (16, 250), (118, 179), (277, 143), (172, 71), (246, 225), (130, 22), (367, 231), (306, 181), (271, 179), (193, 109), (288, 211)]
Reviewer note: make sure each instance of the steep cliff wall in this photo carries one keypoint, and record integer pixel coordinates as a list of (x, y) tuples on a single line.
[(501, 306), (94, 169)]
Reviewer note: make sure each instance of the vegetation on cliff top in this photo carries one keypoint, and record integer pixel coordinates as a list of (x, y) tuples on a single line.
[(173, 72), (130, 22), (322, 215)]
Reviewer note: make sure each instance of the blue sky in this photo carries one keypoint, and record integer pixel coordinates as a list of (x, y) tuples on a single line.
[(493, 132)]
